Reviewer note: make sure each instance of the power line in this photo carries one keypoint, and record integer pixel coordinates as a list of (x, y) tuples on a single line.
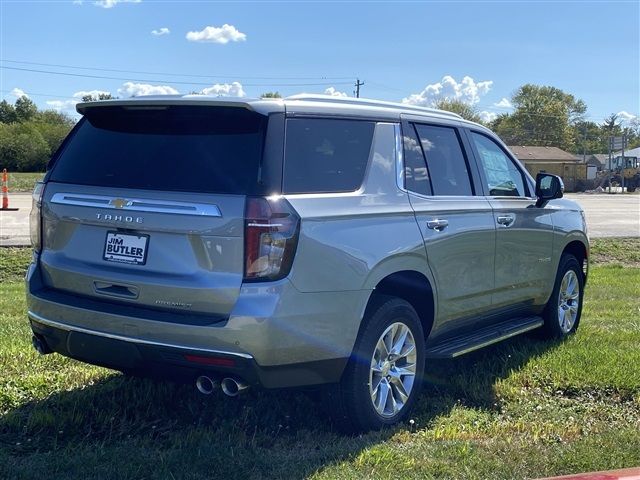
[(220, 75), (101, 77)]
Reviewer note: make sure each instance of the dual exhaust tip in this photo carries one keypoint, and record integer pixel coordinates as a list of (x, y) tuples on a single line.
[(231, 387)]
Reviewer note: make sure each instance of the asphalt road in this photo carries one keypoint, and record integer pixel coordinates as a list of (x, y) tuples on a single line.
[(607, 216), (14, 226), (610, 215)]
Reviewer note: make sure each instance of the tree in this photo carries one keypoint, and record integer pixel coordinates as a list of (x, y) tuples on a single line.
[(612, 127), (590, 138), (466, 111), (25, 109), (7, 112), (22, 148), (28, 137), (271, 95), (543, 116), (100, 96)]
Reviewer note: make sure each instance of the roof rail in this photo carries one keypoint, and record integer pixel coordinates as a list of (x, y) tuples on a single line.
[(371, 102)]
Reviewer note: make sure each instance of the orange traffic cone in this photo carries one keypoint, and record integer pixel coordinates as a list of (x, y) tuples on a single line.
[(5, 191)]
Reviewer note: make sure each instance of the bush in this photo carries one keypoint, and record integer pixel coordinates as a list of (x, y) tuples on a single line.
[(22, 148)]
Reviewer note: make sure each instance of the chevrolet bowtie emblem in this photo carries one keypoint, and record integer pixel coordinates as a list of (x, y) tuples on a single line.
[(120, 202)]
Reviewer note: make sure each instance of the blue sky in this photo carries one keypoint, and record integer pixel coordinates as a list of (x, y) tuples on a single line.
[(479, 52)]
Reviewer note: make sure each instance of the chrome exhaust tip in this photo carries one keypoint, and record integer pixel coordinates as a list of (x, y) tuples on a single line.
[(232, 387), (205, 385)]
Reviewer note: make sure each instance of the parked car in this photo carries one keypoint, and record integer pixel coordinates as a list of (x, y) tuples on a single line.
[(292, 242)]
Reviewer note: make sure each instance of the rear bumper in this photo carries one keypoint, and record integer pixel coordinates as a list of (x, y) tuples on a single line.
[(275, 335)]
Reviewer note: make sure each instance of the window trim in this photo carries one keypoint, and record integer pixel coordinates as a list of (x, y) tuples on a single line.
[(469, 159), (360, 185), (406, 126), (483, 179)]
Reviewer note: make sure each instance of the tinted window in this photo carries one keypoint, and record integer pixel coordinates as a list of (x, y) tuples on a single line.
[(445, 159), (324, 155), (179, 148), (416, 174), (501, 176)]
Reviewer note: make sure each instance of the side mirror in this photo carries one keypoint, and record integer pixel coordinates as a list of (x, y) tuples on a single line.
[(548, 187)]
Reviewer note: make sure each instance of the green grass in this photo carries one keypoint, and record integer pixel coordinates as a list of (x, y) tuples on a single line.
[(522, 409), (23, 181), (618, 251)]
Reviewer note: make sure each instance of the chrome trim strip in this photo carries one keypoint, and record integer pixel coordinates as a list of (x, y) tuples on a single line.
[(72, 328), (137, 204), (399, 158)]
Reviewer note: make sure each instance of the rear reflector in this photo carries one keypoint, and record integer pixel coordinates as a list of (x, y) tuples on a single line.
[(214, 361)]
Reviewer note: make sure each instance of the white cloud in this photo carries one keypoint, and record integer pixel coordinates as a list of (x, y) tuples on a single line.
[(487, 116), (18, 92), (70, 104), (334, 93), (225, 90), (504, 103), (63, 105), (77, 2), (130, 89), (224, 34), (623, 116), (160, 31), (112, 3), (468, 91)]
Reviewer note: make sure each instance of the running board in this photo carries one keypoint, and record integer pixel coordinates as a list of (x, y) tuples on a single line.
[(456, 346)]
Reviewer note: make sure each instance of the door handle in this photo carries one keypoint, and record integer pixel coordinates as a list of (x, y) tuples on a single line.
[(505, 220), (437, 224)]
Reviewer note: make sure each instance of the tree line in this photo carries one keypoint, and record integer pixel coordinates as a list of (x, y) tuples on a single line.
[(541, 116), (28, 136), (549, 117)]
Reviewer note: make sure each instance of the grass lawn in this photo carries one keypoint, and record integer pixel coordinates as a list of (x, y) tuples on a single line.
[(23, 182), (524, 408)]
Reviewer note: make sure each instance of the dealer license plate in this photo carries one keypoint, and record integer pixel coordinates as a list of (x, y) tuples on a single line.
[(126, 248)]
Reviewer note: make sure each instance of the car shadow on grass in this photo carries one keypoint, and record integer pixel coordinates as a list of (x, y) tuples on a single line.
[(126, 427)]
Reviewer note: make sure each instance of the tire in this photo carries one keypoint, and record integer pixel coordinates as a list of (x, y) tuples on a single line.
[(371, 376), (564, 308)]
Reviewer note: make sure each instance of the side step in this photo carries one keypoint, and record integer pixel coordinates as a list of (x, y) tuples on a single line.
[(456, 346)]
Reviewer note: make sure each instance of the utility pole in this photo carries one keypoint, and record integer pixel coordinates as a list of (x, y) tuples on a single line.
[(358, 84), (584, 144), (624, 141)]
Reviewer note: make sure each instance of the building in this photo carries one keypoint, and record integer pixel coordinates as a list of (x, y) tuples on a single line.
[(552, 160), (599, 160)]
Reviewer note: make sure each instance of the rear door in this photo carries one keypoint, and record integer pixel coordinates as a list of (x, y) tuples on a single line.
[(524, 236), (457, 226), (145, 206)]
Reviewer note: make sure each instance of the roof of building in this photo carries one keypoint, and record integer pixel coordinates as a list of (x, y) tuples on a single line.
[(634, 152), (542, 154)]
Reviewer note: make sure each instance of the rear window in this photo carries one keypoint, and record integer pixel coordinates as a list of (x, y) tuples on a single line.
[(175, 148), (326, 155)]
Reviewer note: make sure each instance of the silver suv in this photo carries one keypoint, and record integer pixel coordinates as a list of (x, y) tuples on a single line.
[(286, 243)]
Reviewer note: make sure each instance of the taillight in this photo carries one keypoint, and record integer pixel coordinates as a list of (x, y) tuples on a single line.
[(271, 227), (35, 229)]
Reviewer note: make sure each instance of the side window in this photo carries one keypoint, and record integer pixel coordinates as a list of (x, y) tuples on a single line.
[(326, 155), (446, 162), (416, 175), (503, 178)]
